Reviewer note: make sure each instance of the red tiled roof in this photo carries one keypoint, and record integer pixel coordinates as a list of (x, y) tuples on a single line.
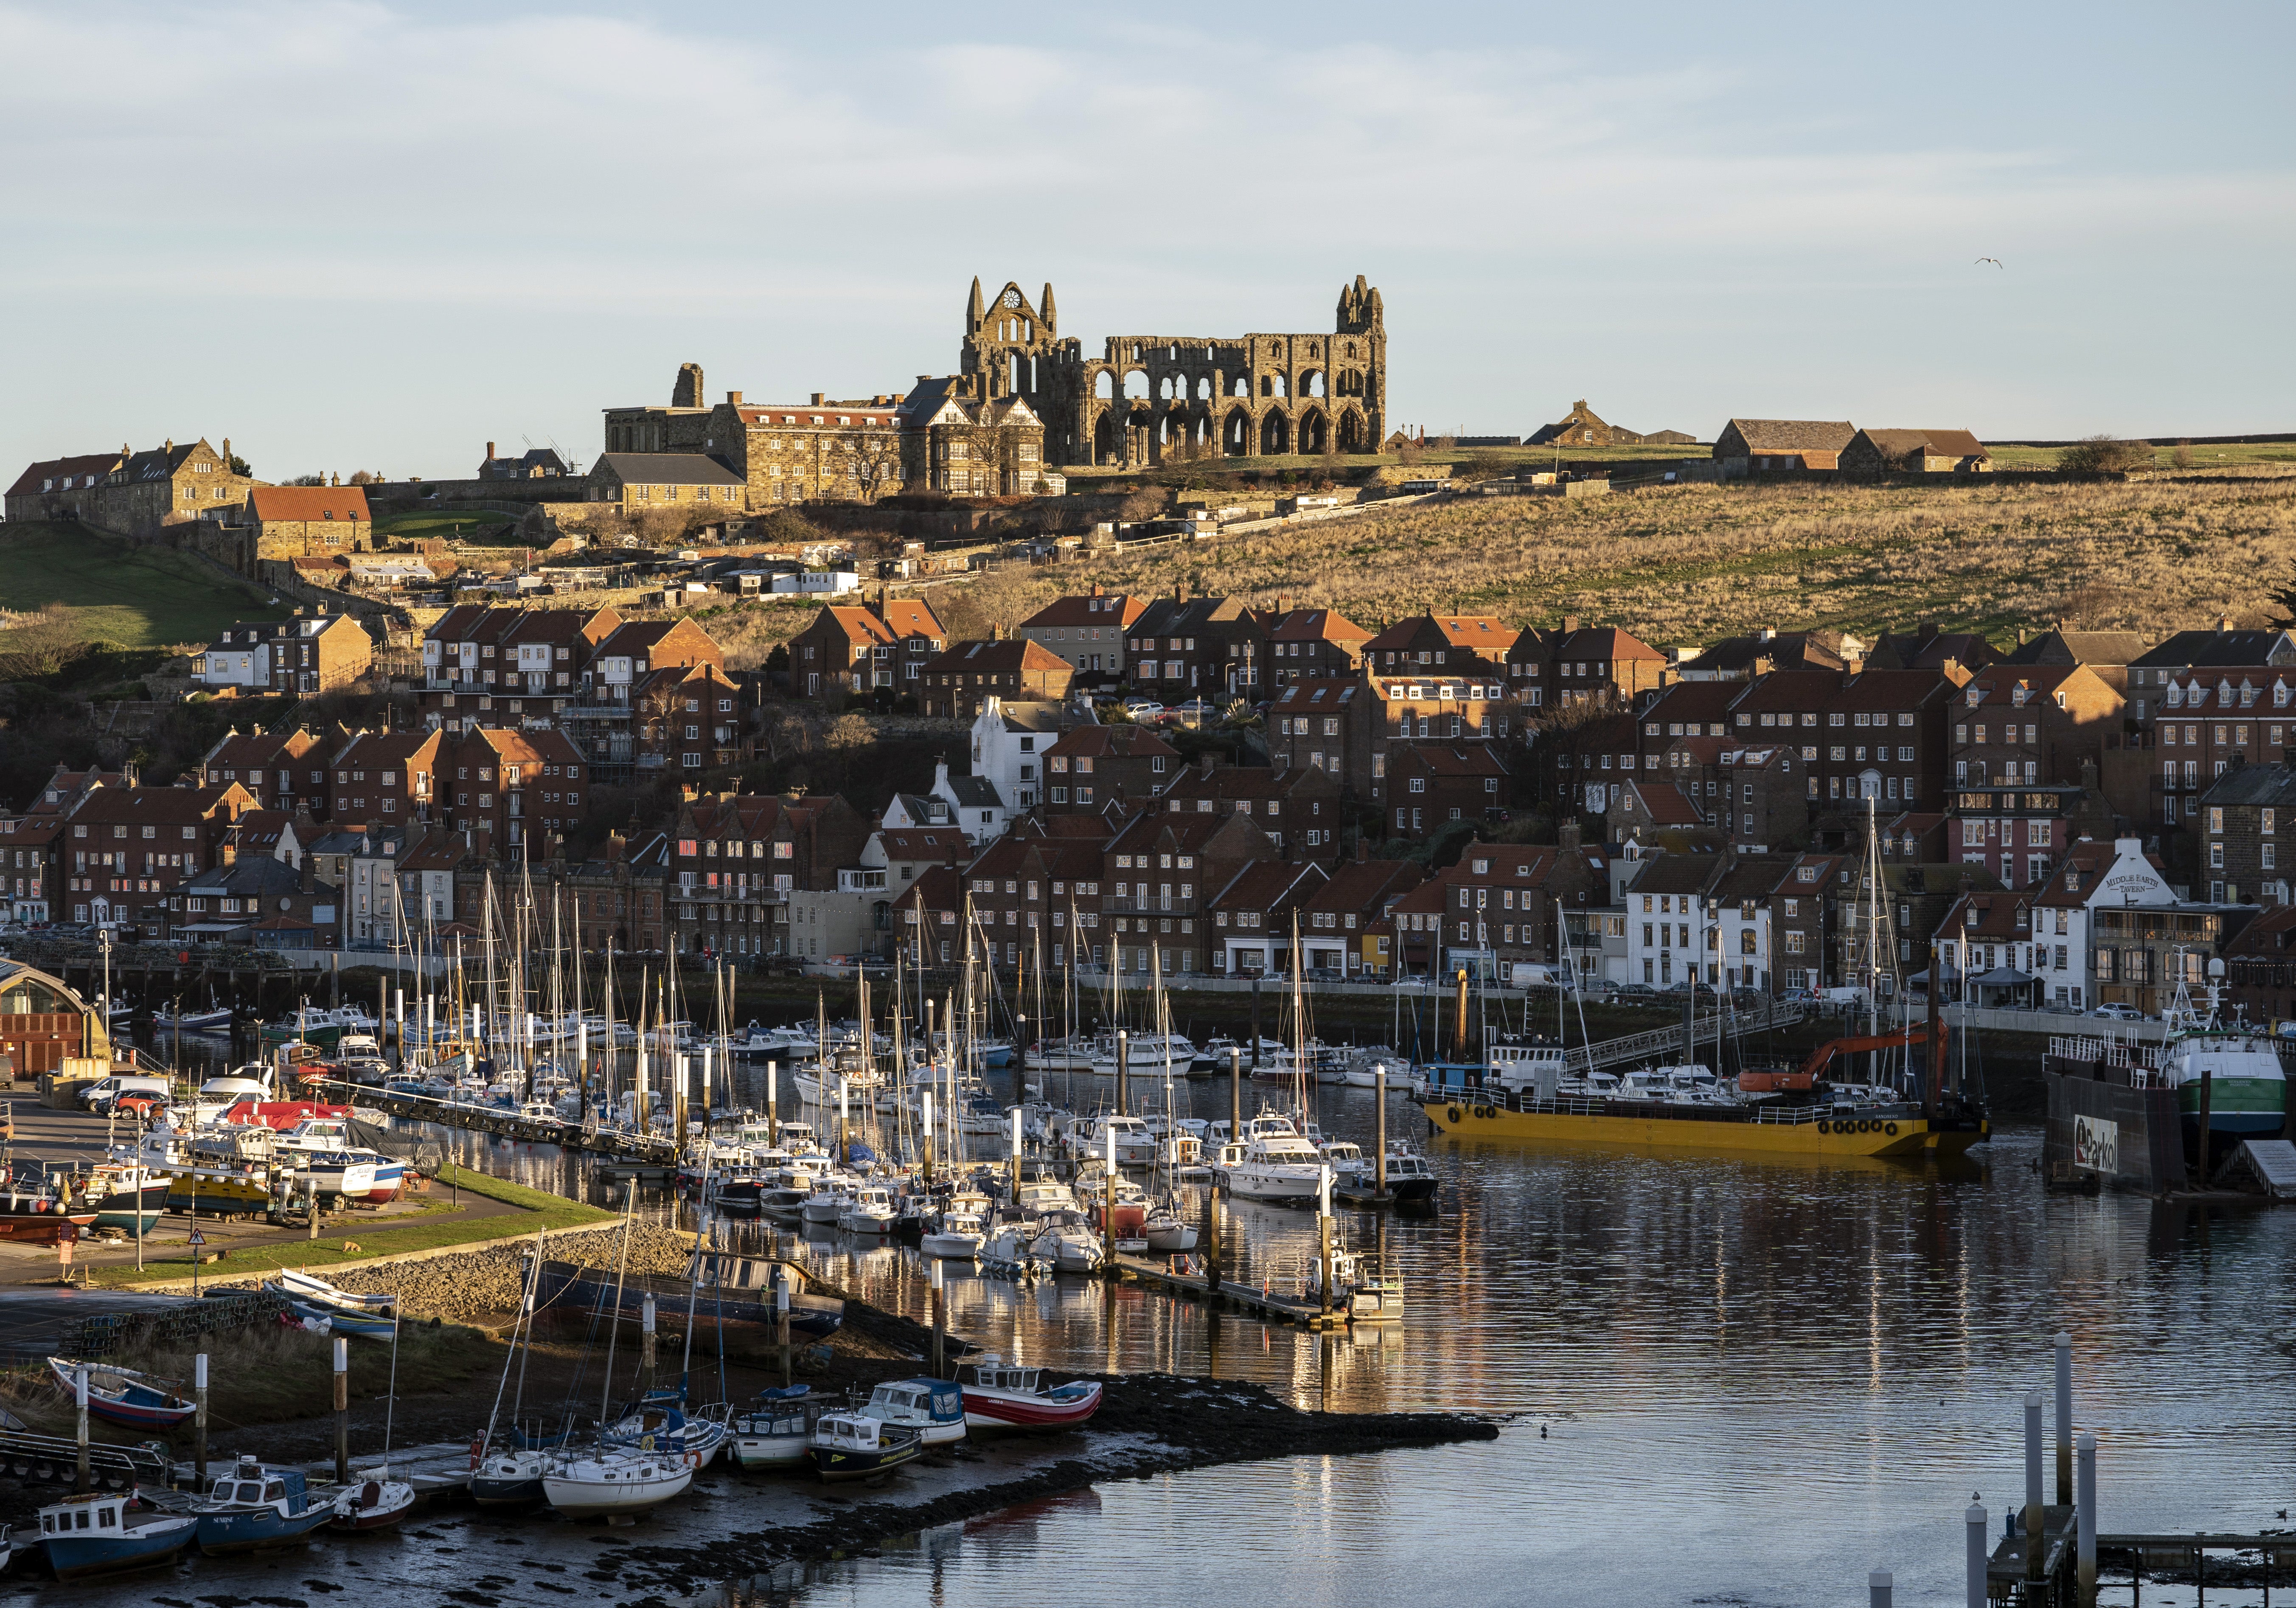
[(1111, 609), (345, 504), (1318, 625)]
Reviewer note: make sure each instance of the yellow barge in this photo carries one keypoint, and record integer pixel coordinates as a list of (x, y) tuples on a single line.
[(1787, 1130)]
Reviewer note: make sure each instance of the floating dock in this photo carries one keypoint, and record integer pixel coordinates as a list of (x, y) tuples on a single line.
[(1265, 1304), (589, 1136)]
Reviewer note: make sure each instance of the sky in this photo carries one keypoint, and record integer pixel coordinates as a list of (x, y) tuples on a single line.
[(373, 235)]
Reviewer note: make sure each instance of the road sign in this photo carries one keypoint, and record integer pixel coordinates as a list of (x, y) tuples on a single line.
[(198, 1238)]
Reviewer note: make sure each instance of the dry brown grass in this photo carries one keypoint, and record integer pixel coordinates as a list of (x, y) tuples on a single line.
[(1689, 565)]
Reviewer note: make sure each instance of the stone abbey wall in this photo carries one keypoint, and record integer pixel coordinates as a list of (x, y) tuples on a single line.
[(1146, 399)]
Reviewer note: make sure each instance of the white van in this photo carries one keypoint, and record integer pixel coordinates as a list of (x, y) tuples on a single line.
[(1845, 999), (102, 1096)]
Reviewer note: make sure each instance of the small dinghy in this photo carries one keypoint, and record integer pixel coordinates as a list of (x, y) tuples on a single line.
[(122, 1396), (372, 1504), (334, 1320), (88, 1535), (320, 1293)]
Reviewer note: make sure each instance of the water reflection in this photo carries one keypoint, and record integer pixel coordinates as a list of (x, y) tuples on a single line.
[(1771, 1376)]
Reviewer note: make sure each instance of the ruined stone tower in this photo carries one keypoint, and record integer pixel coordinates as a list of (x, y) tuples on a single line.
[(687, 392), (1147, 398)]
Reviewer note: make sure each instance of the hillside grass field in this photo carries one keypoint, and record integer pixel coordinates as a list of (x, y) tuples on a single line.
[(137, 596), (451, 525), (1683, 565)]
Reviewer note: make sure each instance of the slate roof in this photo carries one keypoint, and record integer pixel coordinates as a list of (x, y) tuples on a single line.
[(1795, 435), (668, 468)]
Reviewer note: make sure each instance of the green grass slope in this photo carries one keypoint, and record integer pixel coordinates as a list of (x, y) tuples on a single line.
[(139, 597)]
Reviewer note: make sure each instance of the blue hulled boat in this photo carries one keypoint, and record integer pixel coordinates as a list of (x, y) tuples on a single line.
[(93, 1534), (255, 1505), (123, 1396)]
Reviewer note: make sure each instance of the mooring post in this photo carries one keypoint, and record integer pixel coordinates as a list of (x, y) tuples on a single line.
[(1212, 1239), (1323, 1235), (1379, 1138), (2034, 1517), (2085, 1521), (646, 1328), (939, 1321), (199, 1417), (1880, 1585), (2064, 1419), (80, 1480), (1236, 1093), (2207, 1091), (1016, 1155), (773, 1117), (342, 1411), (1973, 1523), (1123, 1072), (782, 1318), (928, 1142)]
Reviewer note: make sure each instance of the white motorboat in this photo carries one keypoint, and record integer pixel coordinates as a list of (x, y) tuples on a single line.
[(610, 1484), (1135, 1147), (825, 1204), (958, 1236), (1145, 1053), (1165, 1232), (1346, 1159), (1066, 1242), (1279, 1167), (868, 1209)]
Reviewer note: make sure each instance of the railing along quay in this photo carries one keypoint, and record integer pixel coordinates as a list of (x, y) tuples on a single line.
[(588, 1134), (1667, 1041)]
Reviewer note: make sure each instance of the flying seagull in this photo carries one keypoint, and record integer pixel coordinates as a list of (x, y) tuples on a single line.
[(1996, 261)]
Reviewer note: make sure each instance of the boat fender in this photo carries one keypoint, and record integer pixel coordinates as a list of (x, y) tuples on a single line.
[(477, 1446), (1454, 1114), (1825, 1127), (1867, 1126), (1890, 1129)]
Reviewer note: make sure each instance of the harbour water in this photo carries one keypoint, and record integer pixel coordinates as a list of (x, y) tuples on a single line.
[(1725, 1382)]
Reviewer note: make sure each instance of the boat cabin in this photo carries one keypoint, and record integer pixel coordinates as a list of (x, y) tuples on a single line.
[(918, 1403), (993, 1373), (853, 1431), (86, 1515), (251, 1484)]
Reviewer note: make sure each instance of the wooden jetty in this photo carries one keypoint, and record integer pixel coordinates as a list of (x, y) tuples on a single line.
[(1265, 1303), (589, 1136)]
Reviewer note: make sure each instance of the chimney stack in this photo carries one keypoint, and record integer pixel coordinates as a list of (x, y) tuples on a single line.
[(820, 399), (735, 398), (491, 452), (1568, 837)]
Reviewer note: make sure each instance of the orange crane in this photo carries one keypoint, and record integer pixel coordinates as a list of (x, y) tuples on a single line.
[(1772, 1083)]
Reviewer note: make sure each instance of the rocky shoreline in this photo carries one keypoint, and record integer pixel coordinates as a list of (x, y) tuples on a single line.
[(1148, 1424)]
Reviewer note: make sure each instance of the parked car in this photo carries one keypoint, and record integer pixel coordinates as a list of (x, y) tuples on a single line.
[(1195, 708), (1325, 974), (2117, 1013), (1141, 708), (1797, 996), (1633, 992)]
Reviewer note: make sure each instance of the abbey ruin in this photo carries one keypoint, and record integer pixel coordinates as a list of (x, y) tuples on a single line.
[(1147, 398)]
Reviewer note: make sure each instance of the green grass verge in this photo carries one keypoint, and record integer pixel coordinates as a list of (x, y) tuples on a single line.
[(537, 1209), (139, 597), (445, 524)]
